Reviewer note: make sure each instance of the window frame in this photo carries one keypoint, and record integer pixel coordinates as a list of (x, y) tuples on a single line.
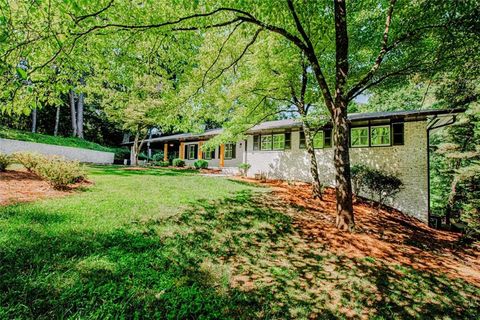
[(368, 137), (189, 147), (261, 142), (229, 148), (302, 141), (389, 126), (273, 141)]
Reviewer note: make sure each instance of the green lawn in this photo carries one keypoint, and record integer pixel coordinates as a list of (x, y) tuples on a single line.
[(8, 133), (174, 244)]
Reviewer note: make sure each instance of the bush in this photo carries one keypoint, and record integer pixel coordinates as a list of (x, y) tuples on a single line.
[(357, 173), (5, 160), (162, 163), (28, 159), (244, 168), (178, 163), (201, 164), (158, 157), (57, 171), (379, 184)]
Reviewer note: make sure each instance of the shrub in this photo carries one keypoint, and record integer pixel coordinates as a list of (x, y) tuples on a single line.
[(5, 160), (158, 157), (244, 168), (178, 163), (200, 164), (357, 173), (379, 184), (28, 159), (162, 163), (59, 172)]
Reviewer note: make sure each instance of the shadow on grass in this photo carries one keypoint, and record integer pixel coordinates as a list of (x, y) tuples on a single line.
[(234, 258), (130, 171)]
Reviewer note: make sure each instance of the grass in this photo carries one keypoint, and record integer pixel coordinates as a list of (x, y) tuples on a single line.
[(173, 244), (8, 133)]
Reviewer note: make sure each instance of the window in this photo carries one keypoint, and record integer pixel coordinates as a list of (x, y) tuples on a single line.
[(192, 152), (229, 151), (209, 154), (266, 142), (278, 141), (359, 137), (398, 135), (256, 142), (380, 135), (318, 140), (321, 139)]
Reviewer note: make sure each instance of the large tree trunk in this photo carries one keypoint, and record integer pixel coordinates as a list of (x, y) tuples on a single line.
[(80, 115), (341, 160), (34, 120), (317, 186), (73, 113), (57, 121)]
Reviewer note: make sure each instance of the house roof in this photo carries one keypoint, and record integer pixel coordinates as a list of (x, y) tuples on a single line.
[(406, 115)]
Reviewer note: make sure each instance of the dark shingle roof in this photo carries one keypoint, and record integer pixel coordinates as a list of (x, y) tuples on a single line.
[(407, 115)]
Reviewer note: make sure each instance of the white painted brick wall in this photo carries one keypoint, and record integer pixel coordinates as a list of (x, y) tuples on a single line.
[(408, 162)]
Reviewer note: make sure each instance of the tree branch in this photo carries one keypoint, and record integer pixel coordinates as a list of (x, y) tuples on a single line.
[(383, 51)]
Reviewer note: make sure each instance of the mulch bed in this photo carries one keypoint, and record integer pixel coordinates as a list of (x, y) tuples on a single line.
[(22, 186), (385, 234)]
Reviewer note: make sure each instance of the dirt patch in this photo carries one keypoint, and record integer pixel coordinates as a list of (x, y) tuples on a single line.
[(388, 235), (22, 186)]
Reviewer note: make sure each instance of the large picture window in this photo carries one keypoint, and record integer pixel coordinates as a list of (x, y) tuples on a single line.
[(275, 141), (359, 137), (380, 135), (229, 151)]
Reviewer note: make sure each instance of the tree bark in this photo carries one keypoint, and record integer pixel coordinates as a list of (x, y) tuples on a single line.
[(80, 115), (73, 113), (57, 121), (135, 150), (345, 220), (316, 184), (34, 120)]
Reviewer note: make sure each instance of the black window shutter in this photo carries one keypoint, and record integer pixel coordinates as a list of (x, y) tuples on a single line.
[(327, 136), (398, 133), (288, 140), (302, 140), (234, 150), (185, 154), (196, 152)]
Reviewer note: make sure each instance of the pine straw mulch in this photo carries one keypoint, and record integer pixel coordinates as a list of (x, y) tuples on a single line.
[(23, 186), (387, 234)]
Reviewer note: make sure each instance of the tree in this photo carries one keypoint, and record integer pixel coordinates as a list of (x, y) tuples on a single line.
[(382, 41)]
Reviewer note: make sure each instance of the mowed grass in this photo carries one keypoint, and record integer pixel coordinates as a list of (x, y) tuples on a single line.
[(174, 244), (13, 134)]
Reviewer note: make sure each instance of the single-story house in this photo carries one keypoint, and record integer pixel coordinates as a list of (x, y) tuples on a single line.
[(396, 141)]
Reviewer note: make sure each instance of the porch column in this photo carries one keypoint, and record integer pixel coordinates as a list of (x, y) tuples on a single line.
[(165, 152), (222, 155), (200, 153), (180, 152)]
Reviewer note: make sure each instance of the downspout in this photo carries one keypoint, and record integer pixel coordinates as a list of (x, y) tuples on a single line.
[(430, 127)]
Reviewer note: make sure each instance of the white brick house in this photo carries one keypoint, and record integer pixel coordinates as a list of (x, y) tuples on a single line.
[(396, 142)]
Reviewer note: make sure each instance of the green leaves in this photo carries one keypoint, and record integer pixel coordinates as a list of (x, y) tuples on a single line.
[(22, 73)]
